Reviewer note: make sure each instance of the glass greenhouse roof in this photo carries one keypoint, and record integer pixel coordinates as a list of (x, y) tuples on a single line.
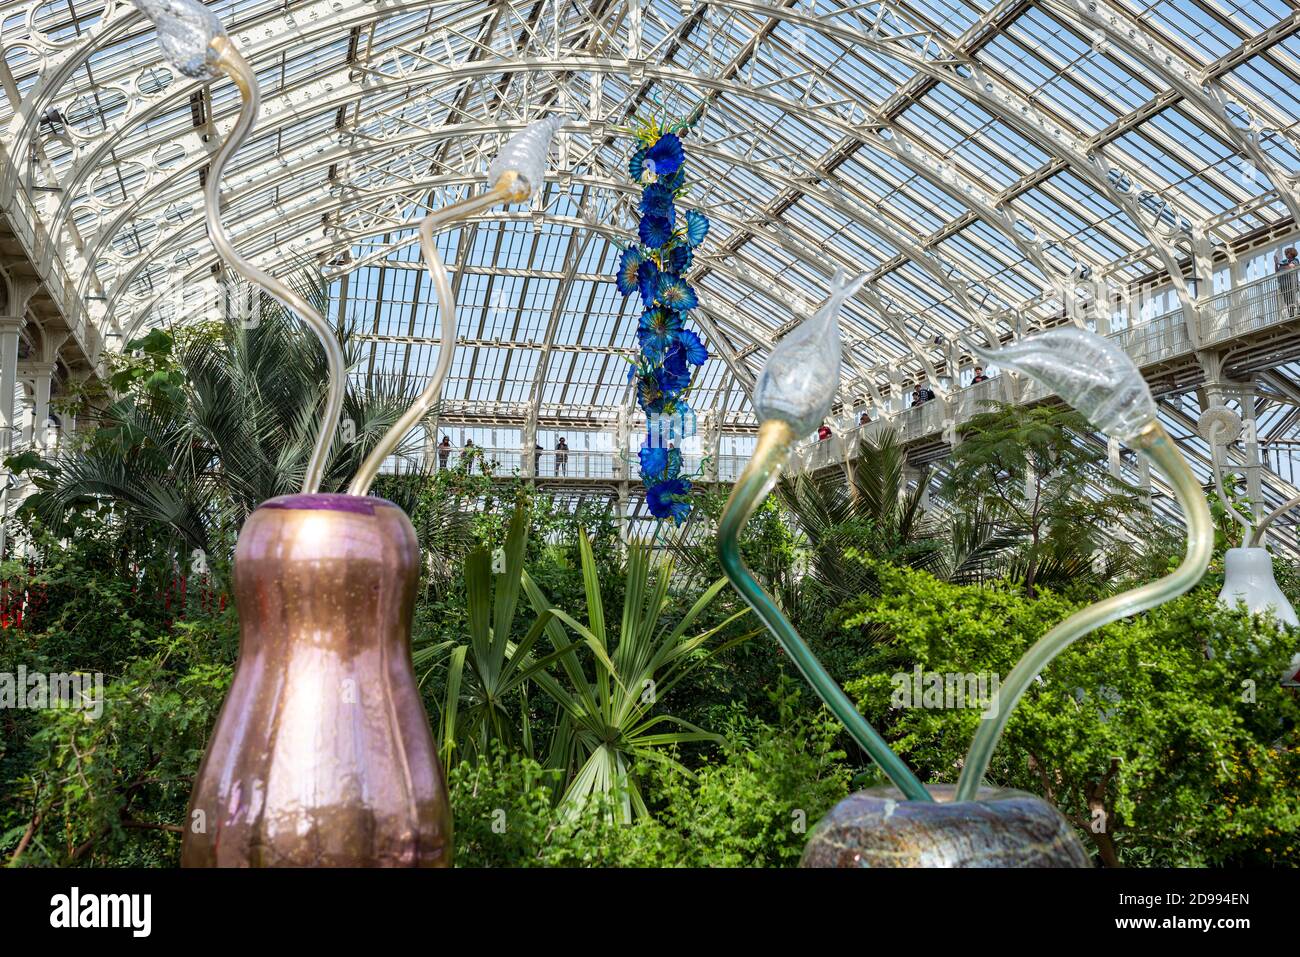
[(976, 159)]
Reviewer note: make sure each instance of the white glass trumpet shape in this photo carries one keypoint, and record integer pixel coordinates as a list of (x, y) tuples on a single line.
[(1088, 372), (525, 155), (186, 29), (1248, 577), (1102, 382), (798, 383), (194, 42)]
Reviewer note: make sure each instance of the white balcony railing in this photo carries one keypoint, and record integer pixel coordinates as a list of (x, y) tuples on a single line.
[(575, 464), (1271, 301)]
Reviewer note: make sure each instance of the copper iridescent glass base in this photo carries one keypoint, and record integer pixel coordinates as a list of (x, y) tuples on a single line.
[(1003, 828), (322, 755)]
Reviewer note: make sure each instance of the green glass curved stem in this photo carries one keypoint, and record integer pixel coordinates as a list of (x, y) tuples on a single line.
[(1257, 538), (751, 488), (1155, 442), (233, 64), (506, 190)]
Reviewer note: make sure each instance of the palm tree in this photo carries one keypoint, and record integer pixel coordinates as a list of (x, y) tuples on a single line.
[(210, 421), (612, 716), (487, 674), (866, 507), (1034, 472)]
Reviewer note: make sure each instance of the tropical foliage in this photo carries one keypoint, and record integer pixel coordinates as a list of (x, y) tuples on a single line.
[(1034, 473), (1159, 754), (613, 716), (601, 702), (872, 507), (487, 676), (750, 806), (212, 421)]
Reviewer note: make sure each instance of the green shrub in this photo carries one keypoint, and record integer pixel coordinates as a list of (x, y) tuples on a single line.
[(749, 807), (112, 790), (1147, 746)]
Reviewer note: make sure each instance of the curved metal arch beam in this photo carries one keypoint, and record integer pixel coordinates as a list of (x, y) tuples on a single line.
[(832, 198), (955, 69), (914, 156), (311, 207), (886, 136), (960, 301), (60, 61), (931, 64), (309, 22), (93, 152), (858, 211), (736, 321), (948, 177), (1052, 134), (966, 192), (1095, 165), (264, 37), (90, 163), (806, 252), (311, 154), (738, 273), (341, 91), (937, 58), (745, 275), (918, 255)]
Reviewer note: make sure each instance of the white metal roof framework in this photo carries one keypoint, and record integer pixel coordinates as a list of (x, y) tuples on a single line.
[(994, 166)]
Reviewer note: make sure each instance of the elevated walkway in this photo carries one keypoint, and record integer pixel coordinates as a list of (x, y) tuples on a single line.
[(27, 252), (1253, 327)]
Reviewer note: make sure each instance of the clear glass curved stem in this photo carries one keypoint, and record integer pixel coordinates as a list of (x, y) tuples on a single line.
[(1155, 442), (1216, 466), (1257, 539), (760, 475), (506, 190), (236, 67)]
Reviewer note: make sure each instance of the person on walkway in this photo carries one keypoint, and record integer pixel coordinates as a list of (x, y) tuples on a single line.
[(444, 452), (1286, 280), (561, 457)]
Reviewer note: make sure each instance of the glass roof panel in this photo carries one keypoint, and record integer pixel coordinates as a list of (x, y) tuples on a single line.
[(833, 133)]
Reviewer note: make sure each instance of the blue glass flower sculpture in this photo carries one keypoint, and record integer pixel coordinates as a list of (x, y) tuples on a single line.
[(669, 353)]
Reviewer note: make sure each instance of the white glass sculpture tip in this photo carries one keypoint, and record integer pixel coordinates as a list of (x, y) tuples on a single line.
[(186, 29), (1248, 577), (525, 153), (1089, 372), (798, 383)]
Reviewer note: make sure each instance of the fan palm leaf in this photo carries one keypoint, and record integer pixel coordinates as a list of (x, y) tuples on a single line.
[(195, 461)]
